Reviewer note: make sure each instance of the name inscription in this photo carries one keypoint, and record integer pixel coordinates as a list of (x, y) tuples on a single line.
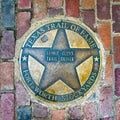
[(62, 56)]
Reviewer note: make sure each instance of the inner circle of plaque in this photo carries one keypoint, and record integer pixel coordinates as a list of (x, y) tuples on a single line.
[(60, 61)]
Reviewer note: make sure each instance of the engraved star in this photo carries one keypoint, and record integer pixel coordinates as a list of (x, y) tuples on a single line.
[(96, 59), (24, 58), (57, 69)]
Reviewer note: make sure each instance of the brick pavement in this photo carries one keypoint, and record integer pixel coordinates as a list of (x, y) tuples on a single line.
[(102, 16)]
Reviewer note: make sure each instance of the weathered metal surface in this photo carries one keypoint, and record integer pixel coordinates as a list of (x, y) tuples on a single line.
[(60, 60)]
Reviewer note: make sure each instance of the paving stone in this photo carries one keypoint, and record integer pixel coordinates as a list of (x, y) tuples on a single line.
[(7, 44), (117, 81), (24, 114), (116, 18), (6, 76), (72, 8), (7, 10), (106, 119), (89, 18), (0, 108), (53, 12), (105, 103), (88, 4), (89, 111), (22, 97), (108, 71), (24, 4), (23, 23), (104, 30), (116, 0), (103, 9), (40, 111), (39, 9), (116, 44), (74, 113), (58, 115), (40, 118), (118, 110), (7, 106), (55, 3)]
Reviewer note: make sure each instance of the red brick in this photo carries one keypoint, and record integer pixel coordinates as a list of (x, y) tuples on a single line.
[(116, 43), (118, 110), (58, 115), (39, 9), (24, 4), (108, 70), (40, 111), (117, 81), (7, 44), (55, 3), (89, 111), (88, 4), (116, 0), (103, 9), (106, 119), (104, 30), (0, 108), (72, 8), (6, 76), (89, 18), (105, 103), (7, 106), (116, 18), (22, 97), (53, 12), (74, 113), (23, 23)]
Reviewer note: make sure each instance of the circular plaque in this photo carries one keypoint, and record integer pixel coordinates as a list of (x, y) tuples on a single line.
[(60, 60)]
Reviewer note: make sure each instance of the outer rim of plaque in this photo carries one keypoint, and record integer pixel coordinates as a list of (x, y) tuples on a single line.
[(18, 75)]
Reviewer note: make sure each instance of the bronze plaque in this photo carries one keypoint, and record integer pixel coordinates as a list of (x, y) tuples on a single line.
[(60, 60)]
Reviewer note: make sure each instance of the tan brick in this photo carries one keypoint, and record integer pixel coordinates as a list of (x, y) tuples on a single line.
[(118, 109), (88, 4), (108, 70), (39, 9), (104, 30)]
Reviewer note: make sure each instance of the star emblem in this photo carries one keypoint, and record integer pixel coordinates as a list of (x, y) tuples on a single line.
[(24, 58), (60, 61), (96, 59)]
